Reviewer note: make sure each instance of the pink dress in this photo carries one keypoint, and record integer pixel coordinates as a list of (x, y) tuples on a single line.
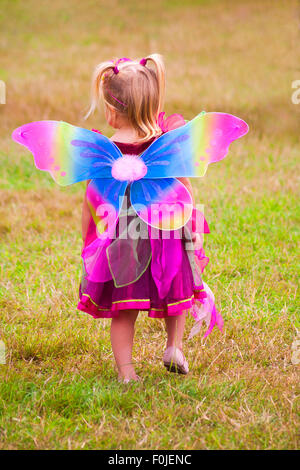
[(169, 284)]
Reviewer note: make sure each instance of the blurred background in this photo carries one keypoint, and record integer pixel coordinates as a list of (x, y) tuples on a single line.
[(58, 387)]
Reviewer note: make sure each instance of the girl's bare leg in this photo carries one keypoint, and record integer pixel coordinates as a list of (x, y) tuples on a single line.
[(175, 330), (121, 335)]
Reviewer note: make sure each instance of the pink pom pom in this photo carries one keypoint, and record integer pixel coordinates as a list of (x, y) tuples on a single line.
[(128, 168)]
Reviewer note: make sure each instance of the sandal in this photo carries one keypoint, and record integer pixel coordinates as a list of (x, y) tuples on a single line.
[(174, 361)]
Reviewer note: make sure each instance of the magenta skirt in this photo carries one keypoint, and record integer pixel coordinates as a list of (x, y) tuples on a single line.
[(104, 300), (167, 287)]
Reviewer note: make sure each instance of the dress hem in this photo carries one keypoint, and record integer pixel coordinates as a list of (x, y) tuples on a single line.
[(87, 305)]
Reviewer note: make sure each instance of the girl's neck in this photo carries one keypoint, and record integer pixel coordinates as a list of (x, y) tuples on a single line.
[(126, 135)]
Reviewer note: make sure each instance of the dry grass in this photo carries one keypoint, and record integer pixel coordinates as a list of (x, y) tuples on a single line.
[(58, 388)]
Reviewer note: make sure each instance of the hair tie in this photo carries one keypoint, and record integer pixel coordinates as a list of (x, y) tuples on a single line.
[(123, 59), (143, 61)]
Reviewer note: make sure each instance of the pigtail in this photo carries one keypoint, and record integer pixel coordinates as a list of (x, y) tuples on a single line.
[(160, 75), (97, 88)]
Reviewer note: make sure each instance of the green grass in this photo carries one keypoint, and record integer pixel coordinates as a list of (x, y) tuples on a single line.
[(58, 389)]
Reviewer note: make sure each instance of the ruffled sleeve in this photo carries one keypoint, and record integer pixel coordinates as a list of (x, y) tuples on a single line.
[(171, 122)]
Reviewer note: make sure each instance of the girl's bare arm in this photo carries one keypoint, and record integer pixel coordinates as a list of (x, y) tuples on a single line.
[(86, 216), (188, 185)]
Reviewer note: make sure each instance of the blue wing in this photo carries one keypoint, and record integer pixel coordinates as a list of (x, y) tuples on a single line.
[(164, 203), (188, 150), (105, 198), (69, 153)]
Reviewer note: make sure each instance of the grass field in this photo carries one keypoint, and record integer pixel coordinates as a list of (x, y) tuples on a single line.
[(58, 389)]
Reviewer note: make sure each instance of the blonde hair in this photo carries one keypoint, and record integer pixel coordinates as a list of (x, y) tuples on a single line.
[(134, 89)]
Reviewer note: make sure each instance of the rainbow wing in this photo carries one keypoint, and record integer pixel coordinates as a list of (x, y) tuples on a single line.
[(188, 150), (70, 154), (164, 204), (105, 198)]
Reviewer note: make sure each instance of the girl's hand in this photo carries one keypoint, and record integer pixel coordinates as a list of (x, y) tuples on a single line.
[(197, 241)]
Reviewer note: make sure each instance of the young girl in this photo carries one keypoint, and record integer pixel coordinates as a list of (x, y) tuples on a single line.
[(147, 254), (133, 94)]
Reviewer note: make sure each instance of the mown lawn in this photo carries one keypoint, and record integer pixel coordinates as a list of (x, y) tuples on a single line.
[(58, 388)]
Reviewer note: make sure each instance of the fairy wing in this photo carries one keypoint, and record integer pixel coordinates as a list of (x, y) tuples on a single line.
[(70, 154), (165, 203), (189, 149), (105, 198)]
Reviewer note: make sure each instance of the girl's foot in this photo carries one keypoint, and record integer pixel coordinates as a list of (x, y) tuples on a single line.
[(126, 380), (127, 374), (174, 360)]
